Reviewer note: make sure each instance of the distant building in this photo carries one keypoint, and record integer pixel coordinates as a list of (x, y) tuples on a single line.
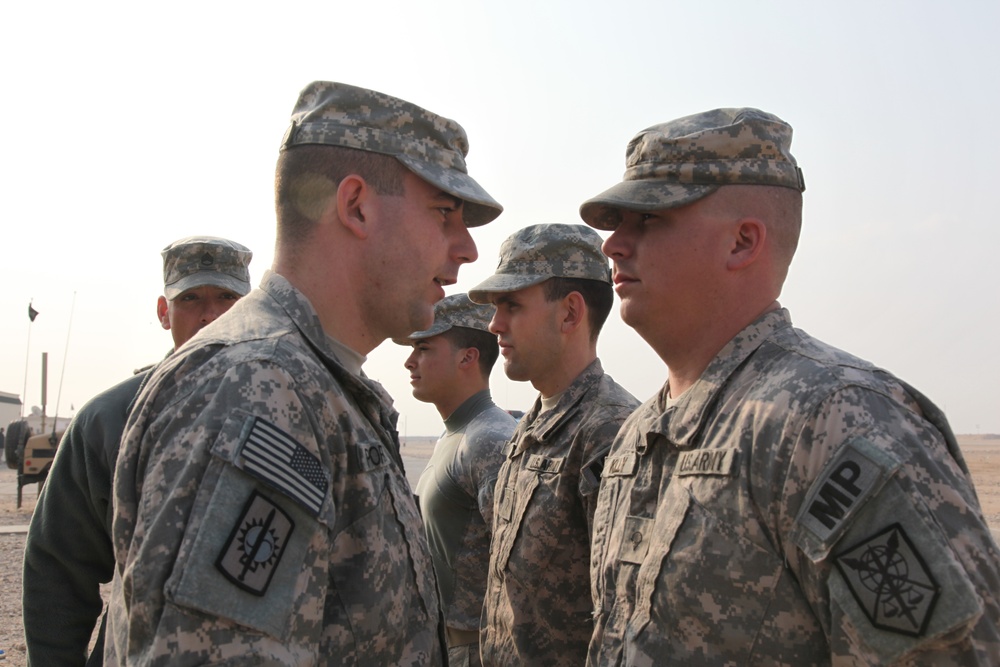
[(10, 408)]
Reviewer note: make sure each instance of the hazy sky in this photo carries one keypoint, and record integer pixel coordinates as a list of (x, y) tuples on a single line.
[(125, 126)]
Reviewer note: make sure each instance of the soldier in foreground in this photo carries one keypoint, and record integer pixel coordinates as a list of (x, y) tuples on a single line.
[(779, 501), (552, 292), (450, 367), (263, 513), (68, 553)]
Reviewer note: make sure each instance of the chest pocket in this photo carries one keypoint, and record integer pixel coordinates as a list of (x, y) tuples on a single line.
[(697, 571), (527, 521)]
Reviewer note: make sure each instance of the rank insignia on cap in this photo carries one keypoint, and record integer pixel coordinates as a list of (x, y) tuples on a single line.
[(255, 545), (890, 582)]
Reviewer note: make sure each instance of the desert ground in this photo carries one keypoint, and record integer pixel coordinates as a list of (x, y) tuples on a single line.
[(982, 453)]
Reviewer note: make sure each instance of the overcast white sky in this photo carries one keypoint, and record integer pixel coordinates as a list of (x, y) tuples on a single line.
[(125, 125)]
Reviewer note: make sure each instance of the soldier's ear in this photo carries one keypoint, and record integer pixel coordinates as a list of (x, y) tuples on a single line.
[(470, 356), (353, 199), (573, 312), (162, 313), (748, 241)]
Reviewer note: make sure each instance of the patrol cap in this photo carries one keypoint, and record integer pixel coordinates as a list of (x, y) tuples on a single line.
[(536, 253), (431, 146), (456, 310), (205, 260), (676, 163)]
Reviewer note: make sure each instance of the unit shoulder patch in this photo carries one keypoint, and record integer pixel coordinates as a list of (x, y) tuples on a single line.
[(256, 544), (890, 581)]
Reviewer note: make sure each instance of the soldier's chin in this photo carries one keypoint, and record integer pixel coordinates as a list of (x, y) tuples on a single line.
[(419, 320)]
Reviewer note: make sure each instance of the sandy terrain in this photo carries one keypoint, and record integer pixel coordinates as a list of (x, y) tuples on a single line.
[(982, 453)]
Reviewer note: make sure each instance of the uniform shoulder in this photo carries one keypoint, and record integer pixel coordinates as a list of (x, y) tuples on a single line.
[(799, 356), (493, 424)]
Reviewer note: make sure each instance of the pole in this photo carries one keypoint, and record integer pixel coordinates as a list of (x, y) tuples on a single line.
[(45, 385), (27, 352), (62, 374)]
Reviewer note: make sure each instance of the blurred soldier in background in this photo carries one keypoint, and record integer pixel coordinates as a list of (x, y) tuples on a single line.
[(68, 553)]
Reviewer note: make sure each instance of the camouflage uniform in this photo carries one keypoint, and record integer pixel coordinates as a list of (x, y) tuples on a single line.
[(538, 610), (263, 516), (263, 513), (795, 505), (68, 553), (455, 492)]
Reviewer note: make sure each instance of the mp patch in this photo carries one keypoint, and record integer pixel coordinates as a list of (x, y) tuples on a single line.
[(890, 582), (845, 485), (255, 545)]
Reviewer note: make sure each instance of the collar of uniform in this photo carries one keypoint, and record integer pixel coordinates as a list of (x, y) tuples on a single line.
[(682, 421), (304, 317), (535, 427), (468, 410)]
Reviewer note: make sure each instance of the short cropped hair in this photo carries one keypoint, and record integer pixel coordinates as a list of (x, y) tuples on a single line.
[(307, 177), (598, 295), (484, 341)]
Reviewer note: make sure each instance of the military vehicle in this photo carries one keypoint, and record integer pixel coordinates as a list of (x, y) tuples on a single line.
[(30, 454)]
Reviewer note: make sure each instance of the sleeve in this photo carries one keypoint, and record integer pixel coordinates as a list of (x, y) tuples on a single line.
[(887, 538), (222, 498), (68, 552), (485, 471), (596, 449)]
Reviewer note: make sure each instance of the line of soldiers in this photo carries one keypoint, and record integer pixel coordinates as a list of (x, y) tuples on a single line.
[(778, 501)]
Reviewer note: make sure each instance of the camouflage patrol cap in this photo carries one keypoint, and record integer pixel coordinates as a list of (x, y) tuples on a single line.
[(536, 253), (429, 145), (456, 310), (676, 163), (205, 260)]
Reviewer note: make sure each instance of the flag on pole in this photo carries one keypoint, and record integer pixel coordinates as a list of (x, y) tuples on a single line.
[(32, 313)]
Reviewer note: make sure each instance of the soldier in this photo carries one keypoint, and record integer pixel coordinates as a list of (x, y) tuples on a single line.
[(779, 501), (552, 292), (68, 553), (450, 367), (263, 516)]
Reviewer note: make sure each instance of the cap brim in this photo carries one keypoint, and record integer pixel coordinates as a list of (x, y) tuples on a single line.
[(604, 210), (502, 282), (436, 328), (203, 278), (480, 208)]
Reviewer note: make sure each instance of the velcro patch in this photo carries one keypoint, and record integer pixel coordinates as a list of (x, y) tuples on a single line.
[(844, 486), (707, 462), (622, 465), (541, 463), (277, 458), (890, 581), (255, 545), (507, 502), (635, 539)]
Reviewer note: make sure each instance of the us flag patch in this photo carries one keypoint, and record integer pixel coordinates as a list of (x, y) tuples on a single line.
[(278, 459)]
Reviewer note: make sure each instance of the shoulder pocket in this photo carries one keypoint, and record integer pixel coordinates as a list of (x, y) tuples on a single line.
[(248, 558)]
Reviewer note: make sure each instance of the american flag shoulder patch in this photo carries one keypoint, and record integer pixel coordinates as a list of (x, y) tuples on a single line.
[(277, 459)]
